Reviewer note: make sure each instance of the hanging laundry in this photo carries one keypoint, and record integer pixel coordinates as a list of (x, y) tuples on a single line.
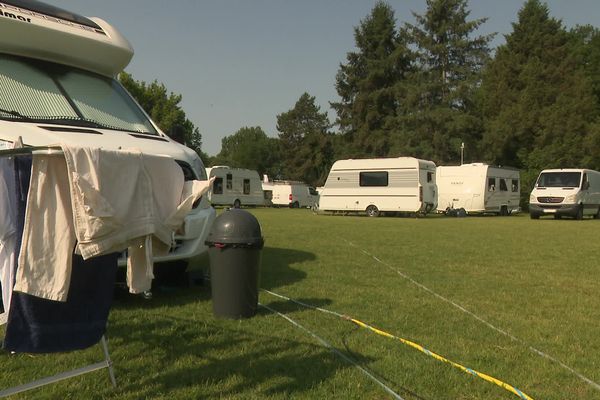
[(102, 201), (14, 184)]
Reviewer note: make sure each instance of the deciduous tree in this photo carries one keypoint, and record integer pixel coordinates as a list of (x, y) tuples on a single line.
[(305, 145), (165, 109)]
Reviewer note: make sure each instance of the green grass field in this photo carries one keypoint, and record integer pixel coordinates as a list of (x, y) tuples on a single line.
[(489, 293)]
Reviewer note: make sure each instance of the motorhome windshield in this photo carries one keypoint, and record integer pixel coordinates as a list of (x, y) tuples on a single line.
[(559, 179), (36, 91)]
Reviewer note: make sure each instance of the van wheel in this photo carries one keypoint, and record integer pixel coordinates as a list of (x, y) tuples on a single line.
[(579, 215), (372, 211), (237, 203), (534, 216), (597, 215)]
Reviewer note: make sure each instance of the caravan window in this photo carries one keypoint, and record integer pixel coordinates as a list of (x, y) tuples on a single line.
[(491, 184), (218, 186), (503, 187), (379, 178), (229, 181), (429, 177), (515, 185), (246, 186)]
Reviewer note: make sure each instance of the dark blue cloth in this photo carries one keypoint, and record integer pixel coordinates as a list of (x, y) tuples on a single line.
[(37, 325)]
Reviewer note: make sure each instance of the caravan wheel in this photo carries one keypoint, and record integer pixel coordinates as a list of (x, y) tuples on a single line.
[(237, 203), (372, 211)]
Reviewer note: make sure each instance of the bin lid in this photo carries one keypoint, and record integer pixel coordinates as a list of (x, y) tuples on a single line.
[(235, 226)]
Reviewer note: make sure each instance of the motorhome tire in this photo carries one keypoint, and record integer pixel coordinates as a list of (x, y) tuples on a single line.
[(579, 215), (372, 211), (504, 211), (295, 205), (597, 215), (237, 203)]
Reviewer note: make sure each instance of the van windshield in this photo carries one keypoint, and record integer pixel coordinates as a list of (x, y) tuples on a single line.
[(559, 179), (37, 91)]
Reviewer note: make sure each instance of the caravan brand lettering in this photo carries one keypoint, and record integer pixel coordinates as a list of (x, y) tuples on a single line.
[(41, 16), (13, 16)]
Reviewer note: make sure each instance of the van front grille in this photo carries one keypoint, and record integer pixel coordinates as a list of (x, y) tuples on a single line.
[(553, 200)]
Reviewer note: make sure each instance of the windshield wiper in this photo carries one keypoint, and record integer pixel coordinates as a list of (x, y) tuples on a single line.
[(16, 114)]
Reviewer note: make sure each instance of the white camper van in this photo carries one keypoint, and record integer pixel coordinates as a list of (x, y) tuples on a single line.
[(293, 194), (403, 184), (58, 86), (235, 187), (566, 192), (478, 188)]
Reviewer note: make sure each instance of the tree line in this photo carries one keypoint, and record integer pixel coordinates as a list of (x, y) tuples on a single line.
[(423, 89)]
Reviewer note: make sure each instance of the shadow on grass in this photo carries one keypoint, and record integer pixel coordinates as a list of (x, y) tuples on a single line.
[(275, 271), (276, 266), (213, 360)]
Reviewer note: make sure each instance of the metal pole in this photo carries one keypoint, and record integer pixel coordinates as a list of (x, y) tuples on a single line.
[(462, 152)]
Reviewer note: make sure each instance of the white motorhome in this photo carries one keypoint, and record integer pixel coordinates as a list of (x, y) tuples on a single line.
[(566, 192), (403, 184), (293, 194), (58, 86), (235, 187), (478, 188)]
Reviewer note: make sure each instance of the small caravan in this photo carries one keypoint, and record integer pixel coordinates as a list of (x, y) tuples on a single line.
[(566, 192), (293, 194), (478, 188), (235, 187), (373, 186), (57, 77)]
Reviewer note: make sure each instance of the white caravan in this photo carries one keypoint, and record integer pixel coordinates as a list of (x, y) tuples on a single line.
[(235, 187), (403, 184), (566, 192), (58, 86), (478, 188), (291, 194)]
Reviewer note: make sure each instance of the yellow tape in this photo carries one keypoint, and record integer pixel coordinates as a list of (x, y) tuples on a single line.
[(422, 349)]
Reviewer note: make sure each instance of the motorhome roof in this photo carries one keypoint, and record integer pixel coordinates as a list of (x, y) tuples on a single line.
[(40, 31)]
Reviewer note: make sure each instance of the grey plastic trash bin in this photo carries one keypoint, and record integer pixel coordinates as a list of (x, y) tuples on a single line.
[(234, 249)]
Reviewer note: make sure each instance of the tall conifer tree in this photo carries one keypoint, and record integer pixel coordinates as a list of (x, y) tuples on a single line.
[(538, 103), (366, 84), (439, 104)]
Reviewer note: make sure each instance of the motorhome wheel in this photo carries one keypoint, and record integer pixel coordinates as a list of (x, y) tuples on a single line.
[(237, 203)]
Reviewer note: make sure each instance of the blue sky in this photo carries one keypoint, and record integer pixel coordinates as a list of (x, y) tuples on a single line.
[(242, 62)]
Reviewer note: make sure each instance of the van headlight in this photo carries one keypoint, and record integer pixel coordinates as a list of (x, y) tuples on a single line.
[(531, 198), (571, 198)]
